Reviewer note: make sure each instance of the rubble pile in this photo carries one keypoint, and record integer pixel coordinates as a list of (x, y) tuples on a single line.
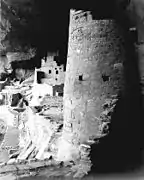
[(39, 126), (36, 135)]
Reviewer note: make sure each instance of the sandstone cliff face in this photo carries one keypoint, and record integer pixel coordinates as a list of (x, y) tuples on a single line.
[(13, 46), (4, 27)]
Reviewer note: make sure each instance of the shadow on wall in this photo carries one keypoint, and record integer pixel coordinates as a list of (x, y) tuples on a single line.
[(122, 150)]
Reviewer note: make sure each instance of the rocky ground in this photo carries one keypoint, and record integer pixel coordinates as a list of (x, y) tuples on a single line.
[(55, 174)]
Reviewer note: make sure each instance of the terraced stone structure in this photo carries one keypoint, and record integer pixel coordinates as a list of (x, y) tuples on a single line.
[(94, 78)]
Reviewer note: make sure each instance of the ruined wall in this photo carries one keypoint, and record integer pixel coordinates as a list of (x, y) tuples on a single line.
[(54, 74)]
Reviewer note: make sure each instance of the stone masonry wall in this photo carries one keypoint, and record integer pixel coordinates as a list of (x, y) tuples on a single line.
[(94, 75), (54, 74)]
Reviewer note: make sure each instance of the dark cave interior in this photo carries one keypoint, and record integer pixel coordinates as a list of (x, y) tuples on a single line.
[(48, 29)]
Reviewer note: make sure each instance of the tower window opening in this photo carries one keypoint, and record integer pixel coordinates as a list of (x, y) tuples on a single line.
[(105, 78), (81, 78)]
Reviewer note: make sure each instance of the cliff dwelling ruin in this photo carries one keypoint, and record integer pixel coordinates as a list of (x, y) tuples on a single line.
[(73, 120)]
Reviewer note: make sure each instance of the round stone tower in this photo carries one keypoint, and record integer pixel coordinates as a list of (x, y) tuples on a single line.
[(94, 77)]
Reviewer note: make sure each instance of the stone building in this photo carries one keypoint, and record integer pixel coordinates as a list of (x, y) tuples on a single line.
[(53, 75)]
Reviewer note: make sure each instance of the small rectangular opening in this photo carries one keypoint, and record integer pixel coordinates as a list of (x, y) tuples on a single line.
[(80, 77)]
